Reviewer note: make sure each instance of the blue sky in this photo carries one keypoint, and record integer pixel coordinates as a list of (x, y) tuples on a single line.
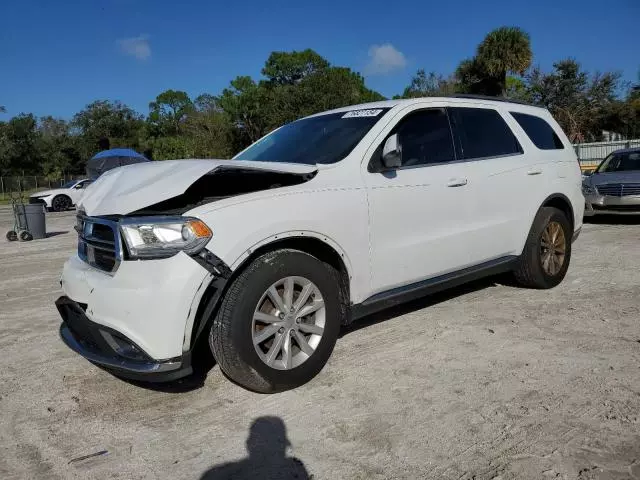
[(57, 56)]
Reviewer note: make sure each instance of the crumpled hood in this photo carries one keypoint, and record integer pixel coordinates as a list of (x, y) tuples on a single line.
[(133, 187)]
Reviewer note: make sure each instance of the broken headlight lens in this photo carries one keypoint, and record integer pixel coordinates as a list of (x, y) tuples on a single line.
[(162, 237)]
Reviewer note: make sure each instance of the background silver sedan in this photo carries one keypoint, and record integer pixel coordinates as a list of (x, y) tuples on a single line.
[(614, 187)]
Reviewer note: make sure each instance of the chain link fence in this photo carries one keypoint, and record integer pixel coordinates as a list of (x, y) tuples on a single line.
[(30, 183)]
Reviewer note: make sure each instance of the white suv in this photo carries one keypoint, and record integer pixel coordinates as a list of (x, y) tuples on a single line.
[(322, 221)]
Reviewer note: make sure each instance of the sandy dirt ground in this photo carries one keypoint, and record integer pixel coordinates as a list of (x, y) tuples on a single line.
[(488, 381)]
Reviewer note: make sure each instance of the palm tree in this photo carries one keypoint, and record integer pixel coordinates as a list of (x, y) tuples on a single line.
[(504, 50)]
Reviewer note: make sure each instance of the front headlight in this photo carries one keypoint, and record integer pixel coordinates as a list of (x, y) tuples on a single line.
[(162, 237), (588, 189)]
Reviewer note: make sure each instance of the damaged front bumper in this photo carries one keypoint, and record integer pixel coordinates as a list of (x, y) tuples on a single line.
[(139, 322), (112, 350)]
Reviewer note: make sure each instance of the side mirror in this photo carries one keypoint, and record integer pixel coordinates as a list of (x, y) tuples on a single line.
[(392, 152), (587, 173)]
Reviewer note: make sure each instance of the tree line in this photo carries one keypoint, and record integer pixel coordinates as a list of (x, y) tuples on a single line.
[(299, 83)]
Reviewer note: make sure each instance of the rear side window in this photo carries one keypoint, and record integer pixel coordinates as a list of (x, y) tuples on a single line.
[(539, 131), (482, 133)]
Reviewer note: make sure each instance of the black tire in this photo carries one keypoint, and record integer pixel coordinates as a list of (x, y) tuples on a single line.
[(12, 236), (230, 337), (60, 203), (529, 271)]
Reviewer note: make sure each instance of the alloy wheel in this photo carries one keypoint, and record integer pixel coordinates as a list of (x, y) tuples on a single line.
[(288, 323), (60, 204), (553, 248)]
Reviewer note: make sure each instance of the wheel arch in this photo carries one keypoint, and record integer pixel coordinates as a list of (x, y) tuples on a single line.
[(317, 245), (562, 203)]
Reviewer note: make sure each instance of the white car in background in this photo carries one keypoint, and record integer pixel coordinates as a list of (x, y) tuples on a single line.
[(63, 198)]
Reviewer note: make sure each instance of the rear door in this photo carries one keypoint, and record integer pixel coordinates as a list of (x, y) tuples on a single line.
[(505, 179)]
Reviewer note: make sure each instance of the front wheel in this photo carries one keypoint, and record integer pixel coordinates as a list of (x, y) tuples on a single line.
[(546, 255), (60, 203), (278, 322)]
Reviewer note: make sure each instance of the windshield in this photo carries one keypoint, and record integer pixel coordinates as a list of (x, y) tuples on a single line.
[(620, 162), (323, 139), (69, 184)]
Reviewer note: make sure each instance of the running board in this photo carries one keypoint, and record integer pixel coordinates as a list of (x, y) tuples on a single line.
[(396, 296)]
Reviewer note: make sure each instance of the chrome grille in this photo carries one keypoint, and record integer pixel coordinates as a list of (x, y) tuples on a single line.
[(619, 189), (99, 242)]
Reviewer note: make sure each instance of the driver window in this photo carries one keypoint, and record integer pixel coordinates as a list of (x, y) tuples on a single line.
[(425, 138)]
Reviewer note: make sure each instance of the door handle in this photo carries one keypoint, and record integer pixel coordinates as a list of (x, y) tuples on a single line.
[(534, 172), (457, 182)]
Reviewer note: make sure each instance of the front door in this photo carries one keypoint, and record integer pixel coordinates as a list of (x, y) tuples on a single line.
[(419, 212)]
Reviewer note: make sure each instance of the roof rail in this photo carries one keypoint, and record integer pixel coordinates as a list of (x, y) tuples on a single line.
[(493, 99)]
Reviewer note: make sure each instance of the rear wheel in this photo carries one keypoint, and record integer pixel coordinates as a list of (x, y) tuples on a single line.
[(546, 255), (278, 322), (60, 203)]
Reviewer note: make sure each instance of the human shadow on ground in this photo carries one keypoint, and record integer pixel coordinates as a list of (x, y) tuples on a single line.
[(267, 456)]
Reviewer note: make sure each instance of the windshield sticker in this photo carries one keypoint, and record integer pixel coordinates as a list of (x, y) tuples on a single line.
[(362, 113)]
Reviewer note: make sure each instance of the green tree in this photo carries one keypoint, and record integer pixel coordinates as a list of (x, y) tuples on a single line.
[(333, 87), (170, 147), (505, 50), (289, 68), (429, 85), (578, 101), (623, 116), (59, 149), (471, 78), (297, 84), (206, 103), (19, 145), (211, 134), (169, 111), (245, 103), (105, 119), (517, 89)]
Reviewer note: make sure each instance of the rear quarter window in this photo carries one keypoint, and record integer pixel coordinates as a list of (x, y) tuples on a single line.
[(539, 131)]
